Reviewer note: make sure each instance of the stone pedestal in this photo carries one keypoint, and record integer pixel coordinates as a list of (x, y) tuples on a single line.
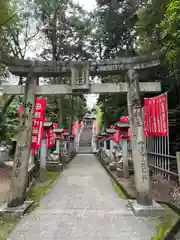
[(19, 211), (119, 172), (125, 157), (43, 175), (119, 164), (112, 166), (154, 210), (107, 160), (54, 167)]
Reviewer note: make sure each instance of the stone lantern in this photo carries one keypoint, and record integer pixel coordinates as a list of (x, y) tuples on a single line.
[(72, 145), (98, 140), (43, 158), (111, 132), (66, 146), (59, 136), (104, 135), (123, 127)]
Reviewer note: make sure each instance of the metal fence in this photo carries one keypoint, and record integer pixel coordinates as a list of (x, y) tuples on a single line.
[(159, 159)]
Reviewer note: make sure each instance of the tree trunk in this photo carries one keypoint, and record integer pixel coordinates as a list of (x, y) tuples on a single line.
[(17, 192)]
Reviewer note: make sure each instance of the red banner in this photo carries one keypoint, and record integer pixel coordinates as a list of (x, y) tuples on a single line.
[(96, 127), (116, 137), (50, 138), (156, 116), (20, 111), (38, 122), (129, 134)]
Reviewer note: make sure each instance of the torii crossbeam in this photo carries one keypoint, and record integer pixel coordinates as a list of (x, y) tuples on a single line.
[(81, 70)]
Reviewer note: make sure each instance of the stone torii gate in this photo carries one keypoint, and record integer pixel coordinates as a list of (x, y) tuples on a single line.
[(78, 74)]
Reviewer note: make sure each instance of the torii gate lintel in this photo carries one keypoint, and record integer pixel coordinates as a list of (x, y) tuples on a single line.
[(79, 73)]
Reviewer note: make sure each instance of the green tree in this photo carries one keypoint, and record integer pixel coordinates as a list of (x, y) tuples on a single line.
[(66, 31), (6, 14), (115, 38), (148, 25), (157, 28), (171, 33), (17, 40)]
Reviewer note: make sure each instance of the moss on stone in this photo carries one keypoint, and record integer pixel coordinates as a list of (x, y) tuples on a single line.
[(6, 226), (40, 189), (166, 223), (118, 190)]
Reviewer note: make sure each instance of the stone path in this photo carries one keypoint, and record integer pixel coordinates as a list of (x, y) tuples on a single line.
[(83, 205), (85, 145)]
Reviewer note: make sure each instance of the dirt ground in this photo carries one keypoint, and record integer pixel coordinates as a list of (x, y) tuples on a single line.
[(165, 190), (162, 189), (5, 175)]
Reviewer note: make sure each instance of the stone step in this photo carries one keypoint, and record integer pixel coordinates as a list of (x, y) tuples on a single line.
[(86, 152), (85, 144)]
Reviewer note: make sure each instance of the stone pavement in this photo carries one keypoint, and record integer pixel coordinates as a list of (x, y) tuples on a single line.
[(83, 205)]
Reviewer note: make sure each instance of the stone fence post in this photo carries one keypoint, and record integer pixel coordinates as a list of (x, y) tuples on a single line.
[(178, 164)]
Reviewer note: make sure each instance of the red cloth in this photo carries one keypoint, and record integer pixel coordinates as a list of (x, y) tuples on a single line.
[(124, 119), (75, 128), (115, 138)]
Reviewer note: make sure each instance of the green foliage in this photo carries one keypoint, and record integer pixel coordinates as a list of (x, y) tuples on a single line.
[(15, 42), (171, 32), (158, 28), (18, 38), (99, 117), (41, 189), (11, 127), (6, 13), (114, 28), (66, 28), (6, 226), (118, 190), (115, 38), (148, 26), (63, 28), (166, 223)]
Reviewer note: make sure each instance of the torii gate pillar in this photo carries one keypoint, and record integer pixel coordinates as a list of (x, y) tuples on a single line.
[(143, 205), (17, 192)]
